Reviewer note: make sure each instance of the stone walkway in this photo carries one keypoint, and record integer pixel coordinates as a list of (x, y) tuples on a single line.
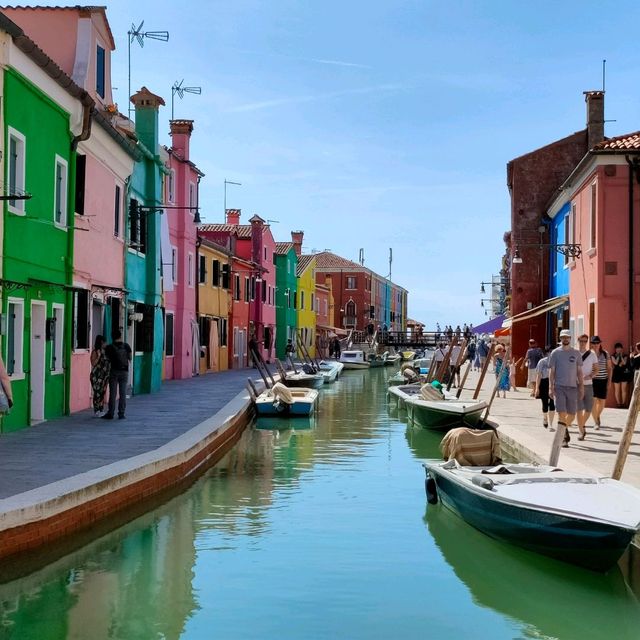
[(62, 448), (520, 419)]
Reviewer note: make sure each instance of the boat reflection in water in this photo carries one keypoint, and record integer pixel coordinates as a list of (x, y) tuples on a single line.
[(275, 423), (528, 587)]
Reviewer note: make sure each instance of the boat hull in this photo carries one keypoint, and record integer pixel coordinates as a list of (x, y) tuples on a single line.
[(298, 408), (356, 365), (313, 382), (441, 420), (593, 545)]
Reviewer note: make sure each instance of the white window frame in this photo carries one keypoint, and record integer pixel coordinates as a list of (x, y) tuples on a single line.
[(579, 326), (193, 198), (593, 212), (190, 274), (572, 328), (18, 339), (64, 192), (174, 264), (57, 344), (171, 186), (19, 207)]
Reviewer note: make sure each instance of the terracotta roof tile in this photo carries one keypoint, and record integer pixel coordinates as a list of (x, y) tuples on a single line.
[(328, 260), (243, 230), (303, 263), (282, 248), (626, 142)]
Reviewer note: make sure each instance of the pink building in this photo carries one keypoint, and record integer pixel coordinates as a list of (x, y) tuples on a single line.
[(604, 282), (254, 243), (179, 235), (104, 163)]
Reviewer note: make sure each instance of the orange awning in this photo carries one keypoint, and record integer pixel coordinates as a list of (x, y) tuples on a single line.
[(337, 330)]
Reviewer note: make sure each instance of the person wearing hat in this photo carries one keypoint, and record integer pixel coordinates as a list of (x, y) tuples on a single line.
[(600, 379), (565, 382), (532, 357), (589, 369)]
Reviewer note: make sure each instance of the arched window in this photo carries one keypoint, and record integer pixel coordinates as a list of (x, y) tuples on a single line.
[(350, 314)]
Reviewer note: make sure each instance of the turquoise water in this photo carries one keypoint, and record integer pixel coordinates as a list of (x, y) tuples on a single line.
[(321, 531)]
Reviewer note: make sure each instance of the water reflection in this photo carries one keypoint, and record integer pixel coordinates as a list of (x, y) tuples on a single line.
[(549, 597)]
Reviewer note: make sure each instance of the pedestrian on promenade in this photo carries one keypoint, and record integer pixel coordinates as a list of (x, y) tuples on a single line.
[(253, 349), (99, 376), (532, 357), (483, 352), (449, 332), (589, 369), (119, 356), (620, 375), (336, 348), (501, 371), (438, 331), (458, 331), (635, 358), (565, 382), (471, 352), (454, 370), (542, 392), (512, 374), (289, 350), (601, 379), (6, 398)]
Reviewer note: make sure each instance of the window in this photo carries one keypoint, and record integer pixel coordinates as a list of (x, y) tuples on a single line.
[(236, 288), (263, 291), (16, 170), (171, 186), (253, 287), (222, 331), (566, 236), (81, 319), (15, 337), (116, 212), (273, 258), (60, 193), (215, 273), (174, 264), (592, 318), (144, 329), (100, 71), (302, 300), (246, 289), (225, 276), (190, 268), (593, 215), (202, 269), (295, 299), (204, 324), (168, 334), (288, 294), (81, 170), (313, 303), (137, 227), (193, 197), (351, 282), (572, 225), (265, 253), (57, 338)]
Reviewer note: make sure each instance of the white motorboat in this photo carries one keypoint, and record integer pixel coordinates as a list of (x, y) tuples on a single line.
[(583, 519), (285, 401), (355, 359), (330, 370)]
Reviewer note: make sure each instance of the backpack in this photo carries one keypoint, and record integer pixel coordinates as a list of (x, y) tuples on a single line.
[(119, 356)]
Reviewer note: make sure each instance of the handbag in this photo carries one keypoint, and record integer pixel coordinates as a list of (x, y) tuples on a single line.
[(4, 401)]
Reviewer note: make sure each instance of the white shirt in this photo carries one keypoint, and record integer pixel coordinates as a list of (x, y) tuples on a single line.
[(587, 366)]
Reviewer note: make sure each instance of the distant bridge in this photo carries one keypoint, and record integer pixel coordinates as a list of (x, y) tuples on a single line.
[(398, 339)]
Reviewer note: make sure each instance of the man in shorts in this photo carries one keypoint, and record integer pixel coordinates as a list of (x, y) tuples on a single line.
[(532, 357), (589, 369), (566, 386)]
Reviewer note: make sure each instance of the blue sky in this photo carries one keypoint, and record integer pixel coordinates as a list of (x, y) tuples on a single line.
[(382, 124)]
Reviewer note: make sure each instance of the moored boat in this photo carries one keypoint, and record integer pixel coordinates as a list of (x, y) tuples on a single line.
[(354, 359), (408, 355), (446, 414), (281, 400), (302, 379), (330, 370), (392, 360), (578, 518)]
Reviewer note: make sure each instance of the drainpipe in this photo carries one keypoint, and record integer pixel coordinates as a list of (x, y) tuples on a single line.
[(633, 171), (87, 109)]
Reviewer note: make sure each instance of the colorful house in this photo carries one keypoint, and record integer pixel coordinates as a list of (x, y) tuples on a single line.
[(286, 261), (179, 226), (145, 327), (37, 273), (306, 307), (214, 305), (323, 334)]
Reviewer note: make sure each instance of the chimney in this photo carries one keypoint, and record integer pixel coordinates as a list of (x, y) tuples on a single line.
[(233, 216), (257, 227), (147, 105), (595, 117), (180, 136), (296, 238)]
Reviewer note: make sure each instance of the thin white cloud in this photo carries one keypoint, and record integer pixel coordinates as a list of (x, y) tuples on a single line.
[(339, 63), (278, 102)]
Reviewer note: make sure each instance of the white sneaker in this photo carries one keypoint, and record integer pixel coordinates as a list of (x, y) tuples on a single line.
[(98, 414)]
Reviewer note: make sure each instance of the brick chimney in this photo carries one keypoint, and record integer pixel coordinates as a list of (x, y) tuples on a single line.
[(257, 227), (296, 238), (233, 216), (180, 137), (147, 105), (595, 117)]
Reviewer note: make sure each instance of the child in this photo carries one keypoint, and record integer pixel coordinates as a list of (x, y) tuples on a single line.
[(512, 374)]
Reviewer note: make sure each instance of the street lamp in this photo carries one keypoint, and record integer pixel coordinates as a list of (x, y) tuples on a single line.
[(570, 250)]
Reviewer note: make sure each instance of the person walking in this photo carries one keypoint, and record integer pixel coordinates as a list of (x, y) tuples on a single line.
[(589, 369), (6, 402), (336, 348), (634, 359), (532, 357), (566, 386), (542, 392), (620, 375), (119, 356), (600, 381), (99, 376), (483, 352), (501, 371)]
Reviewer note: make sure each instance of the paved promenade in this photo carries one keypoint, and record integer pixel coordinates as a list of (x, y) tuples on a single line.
[(78, 443), (520, 420)]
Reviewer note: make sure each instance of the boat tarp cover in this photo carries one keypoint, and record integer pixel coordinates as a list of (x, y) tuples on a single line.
[(472, 447)]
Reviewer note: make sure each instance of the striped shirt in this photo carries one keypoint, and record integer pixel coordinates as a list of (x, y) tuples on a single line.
[(603, 368)]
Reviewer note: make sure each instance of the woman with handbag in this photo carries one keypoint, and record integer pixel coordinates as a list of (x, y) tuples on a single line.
[(6, 399)]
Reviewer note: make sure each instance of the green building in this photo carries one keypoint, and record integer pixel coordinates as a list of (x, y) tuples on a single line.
[(286, 261), (37, 240), (145, 326)]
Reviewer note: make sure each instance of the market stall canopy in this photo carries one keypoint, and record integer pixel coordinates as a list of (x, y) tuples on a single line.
[(490, 326), (547, 305)]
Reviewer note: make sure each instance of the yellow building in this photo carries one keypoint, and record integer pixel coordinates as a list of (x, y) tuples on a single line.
[(214, 305), (306, 304)]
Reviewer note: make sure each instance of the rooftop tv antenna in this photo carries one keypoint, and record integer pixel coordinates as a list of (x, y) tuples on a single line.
[(136, 33), (361, 257), (177, 88)]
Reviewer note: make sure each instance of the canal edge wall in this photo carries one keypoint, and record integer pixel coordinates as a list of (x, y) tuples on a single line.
[(48, 514)]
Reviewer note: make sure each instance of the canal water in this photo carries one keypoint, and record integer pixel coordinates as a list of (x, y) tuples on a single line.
[(320, 531)]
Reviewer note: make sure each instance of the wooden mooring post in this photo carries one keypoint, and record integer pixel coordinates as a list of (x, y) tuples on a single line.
[(483, 373), (464, 379), (627, 434)]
